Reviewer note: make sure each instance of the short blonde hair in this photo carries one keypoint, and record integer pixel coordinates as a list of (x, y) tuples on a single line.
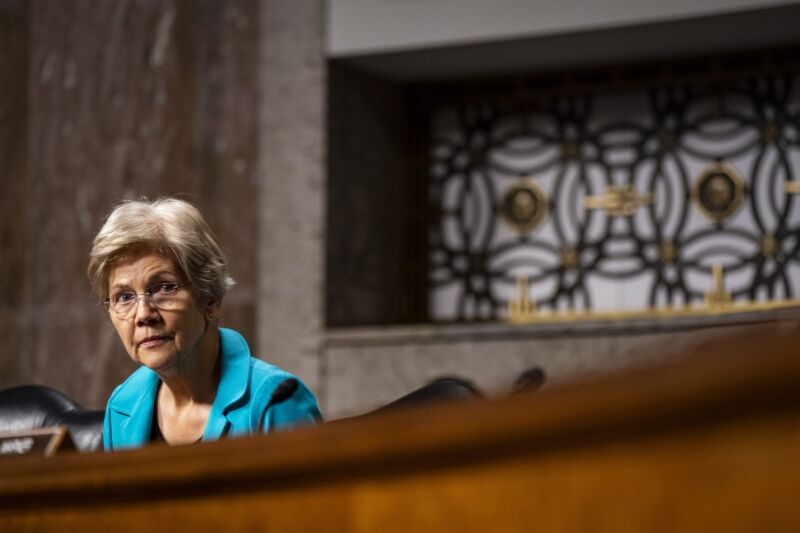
[(169, 226)]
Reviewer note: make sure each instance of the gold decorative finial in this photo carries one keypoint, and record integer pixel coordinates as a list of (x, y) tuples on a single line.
[(792, 187), (619, 201), (523, 307), (717, 296)]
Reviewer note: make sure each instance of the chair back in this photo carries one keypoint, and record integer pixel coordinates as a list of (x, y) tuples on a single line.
[(35, 406)]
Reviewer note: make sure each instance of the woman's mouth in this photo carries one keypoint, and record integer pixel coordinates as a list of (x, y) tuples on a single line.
[(150, 342)]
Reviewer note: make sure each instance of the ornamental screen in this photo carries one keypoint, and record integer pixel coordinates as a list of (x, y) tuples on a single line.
[(649, 199)]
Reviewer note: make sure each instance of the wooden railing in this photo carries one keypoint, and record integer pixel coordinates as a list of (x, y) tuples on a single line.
[(710, 442)]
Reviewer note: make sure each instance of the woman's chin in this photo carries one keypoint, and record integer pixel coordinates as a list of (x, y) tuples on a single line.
[(155, 359)]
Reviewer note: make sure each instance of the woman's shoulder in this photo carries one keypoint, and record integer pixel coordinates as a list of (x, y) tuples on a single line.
[(265, 375), (236, 351), (267, 387), (284, 400)]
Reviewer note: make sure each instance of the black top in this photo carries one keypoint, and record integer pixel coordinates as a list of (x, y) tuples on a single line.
[(155, 432)]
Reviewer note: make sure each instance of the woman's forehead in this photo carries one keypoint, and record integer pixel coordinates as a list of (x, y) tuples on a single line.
[(132, 267)]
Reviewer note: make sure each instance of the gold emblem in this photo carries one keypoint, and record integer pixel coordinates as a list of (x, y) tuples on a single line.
[(718, 192), (524, 206), (619, 201)]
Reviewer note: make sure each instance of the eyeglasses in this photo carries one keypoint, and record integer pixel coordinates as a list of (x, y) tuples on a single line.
[(162, 296)]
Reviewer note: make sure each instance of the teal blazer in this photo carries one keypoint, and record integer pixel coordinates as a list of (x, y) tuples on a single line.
[(246, 403)]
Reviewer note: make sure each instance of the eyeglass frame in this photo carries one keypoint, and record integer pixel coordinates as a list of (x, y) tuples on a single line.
[(145, 294)]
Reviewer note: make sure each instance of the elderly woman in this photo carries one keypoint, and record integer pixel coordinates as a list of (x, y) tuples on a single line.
[(162, 276)]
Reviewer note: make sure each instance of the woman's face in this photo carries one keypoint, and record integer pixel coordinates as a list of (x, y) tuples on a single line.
[(157, 338)]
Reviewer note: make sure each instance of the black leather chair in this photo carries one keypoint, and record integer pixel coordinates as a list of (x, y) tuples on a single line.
[(529, 381), (440, 389), (35, 406)]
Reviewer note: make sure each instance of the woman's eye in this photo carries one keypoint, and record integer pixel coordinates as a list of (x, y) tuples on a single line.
[(123, 297), (165, 288)]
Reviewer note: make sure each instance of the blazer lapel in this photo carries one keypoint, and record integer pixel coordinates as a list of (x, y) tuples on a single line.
[(132, 410), (233, 382)]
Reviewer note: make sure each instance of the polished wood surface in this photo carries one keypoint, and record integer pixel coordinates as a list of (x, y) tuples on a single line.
[(708, 442)]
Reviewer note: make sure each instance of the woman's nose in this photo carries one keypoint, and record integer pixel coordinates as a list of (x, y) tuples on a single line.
[(146, 313)]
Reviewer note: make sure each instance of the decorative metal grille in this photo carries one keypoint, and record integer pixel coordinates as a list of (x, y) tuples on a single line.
[(604, 201)]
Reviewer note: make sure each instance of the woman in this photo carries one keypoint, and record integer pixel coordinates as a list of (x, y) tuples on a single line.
[(162, 276)]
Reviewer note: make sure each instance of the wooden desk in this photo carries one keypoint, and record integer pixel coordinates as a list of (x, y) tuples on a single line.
[(708, 444)]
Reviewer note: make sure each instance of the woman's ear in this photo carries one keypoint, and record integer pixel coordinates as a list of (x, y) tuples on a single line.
[(212, 310)]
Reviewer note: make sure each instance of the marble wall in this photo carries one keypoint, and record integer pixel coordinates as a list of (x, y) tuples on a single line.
[(101, 101)]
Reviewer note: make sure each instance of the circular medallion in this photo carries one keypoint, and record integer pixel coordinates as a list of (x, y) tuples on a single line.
[(718, 192), (524, 206)]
